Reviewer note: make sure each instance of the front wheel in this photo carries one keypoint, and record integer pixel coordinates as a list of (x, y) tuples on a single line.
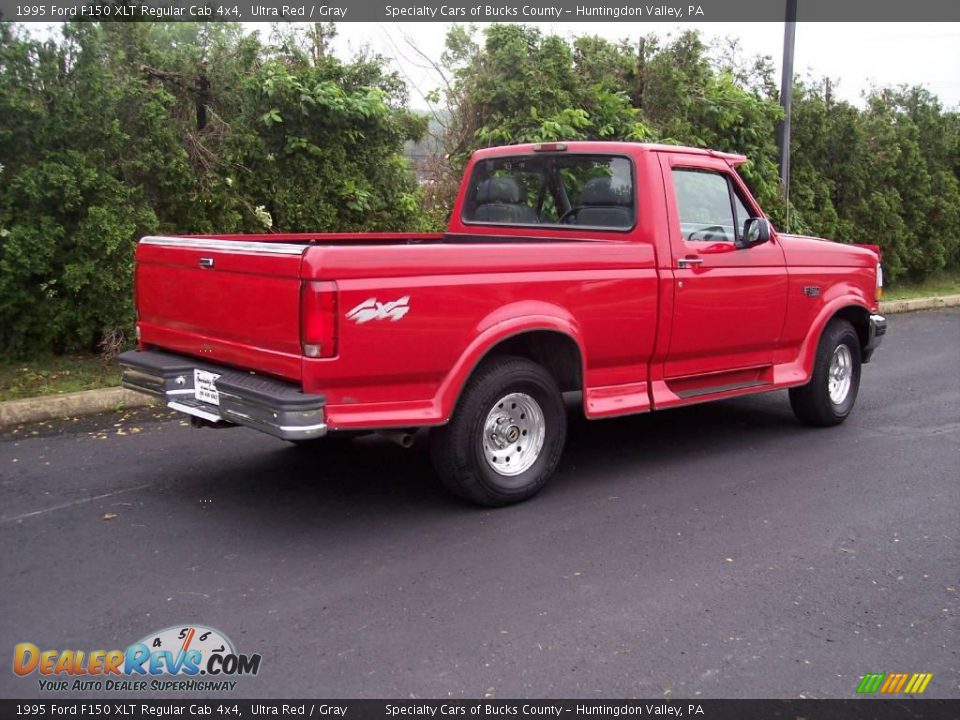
[(506, 435), (830, 395)]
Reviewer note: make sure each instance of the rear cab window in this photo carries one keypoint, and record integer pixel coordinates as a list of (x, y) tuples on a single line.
[(558, 190)]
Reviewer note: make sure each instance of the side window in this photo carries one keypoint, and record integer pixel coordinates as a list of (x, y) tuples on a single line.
[(705, 206), (742, 213)]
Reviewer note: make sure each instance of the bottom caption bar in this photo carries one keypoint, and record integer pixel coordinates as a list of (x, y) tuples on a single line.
[(860, 709)]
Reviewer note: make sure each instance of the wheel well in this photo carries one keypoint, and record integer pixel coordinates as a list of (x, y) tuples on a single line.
[(860, 319), (556, 352)]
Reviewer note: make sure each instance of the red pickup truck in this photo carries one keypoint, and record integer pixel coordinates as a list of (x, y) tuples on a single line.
[(643, 276)]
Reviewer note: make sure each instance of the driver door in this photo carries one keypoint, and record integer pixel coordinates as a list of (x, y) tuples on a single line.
[(729, 303)]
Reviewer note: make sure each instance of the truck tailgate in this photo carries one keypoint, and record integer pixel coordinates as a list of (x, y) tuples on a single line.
[(232, 302)]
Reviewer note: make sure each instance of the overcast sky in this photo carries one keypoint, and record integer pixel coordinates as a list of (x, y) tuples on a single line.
[(858, 55)]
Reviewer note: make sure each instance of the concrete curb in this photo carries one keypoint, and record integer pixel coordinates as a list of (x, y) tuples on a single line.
[(927, 303), (87, 402), (49, 407)]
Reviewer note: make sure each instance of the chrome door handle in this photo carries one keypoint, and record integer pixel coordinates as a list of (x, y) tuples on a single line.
[(687, 262)]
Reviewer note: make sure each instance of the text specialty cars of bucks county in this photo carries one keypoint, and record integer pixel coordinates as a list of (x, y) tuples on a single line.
[(642, 276)]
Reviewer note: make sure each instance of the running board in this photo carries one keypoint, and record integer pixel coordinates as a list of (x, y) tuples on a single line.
[(715, 389)]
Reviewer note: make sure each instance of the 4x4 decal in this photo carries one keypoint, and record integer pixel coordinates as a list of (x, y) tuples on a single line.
[(372, 309)]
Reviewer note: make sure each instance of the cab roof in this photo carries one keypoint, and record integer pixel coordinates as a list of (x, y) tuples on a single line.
[(606, 147)]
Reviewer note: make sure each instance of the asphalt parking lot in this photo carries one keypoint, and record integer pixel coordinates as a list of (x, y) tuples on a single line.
[(716, 551)]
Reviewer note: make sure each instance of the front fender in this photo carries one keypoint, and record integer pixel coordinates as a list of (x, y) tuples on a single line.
[(808, 349)]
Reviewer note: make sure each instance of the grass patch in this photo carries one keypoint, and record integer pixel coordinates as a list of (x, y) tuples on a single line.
[(937, 285), (55, 375)]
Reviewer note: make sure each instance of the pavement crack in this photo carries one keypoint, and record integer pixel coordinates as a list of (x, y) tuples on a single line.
[(72, 503)]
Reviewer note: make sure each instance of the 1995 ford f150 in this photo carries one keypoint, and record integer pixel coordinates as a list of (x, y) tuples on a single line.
[(644, 276)]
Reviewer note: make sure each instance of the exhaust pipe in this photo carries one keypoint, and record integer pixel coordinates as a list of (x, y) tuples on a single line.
[(401, 437), (218, 425)]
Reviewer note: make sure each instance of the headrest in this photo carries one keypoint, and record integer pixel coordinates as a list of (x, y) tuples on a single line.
[(600, 191), (498, 189)]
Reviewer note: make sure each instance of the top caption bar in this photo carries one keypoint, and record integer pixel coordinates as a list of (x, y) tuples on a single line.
[(574, 11)]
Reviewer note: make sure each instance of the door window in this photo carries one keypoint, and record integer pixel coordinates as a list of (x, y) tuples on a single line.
[(741, 213), (709, 208)]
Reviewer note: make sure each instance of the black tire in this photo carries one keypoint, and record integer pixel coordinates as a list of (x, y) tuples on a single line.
[(457, 448), (812, 403)]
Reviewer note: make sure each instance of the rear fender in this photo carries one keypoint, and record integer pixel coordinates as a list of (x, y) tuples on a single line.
[(497, 327)]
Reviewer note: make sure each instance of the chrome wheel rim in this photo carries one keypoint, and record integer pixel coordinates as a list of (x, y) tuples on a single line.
[(513, 434), (840, 374)]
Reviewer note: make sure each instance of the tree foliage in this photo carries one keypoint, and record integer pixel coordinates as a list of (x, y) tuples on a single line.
[(112, 131), (116, 130), (885, 174)]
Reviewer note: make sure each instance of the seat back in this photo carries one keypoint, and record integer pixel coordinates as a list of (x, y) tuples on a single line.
[(500, 200), (602, 205)]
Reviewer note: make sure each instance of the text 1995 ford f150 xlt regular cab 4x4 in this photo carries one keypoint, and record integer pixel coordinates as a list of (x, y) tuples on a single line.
[(644, 276)]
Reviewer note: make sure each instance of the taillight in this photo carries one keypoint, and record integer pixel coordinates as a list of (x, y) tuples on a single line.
[(318, 319), (879, 293)]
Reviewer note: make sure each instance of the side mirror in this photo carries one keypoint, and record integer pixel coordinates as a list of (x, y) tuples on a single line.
[(756, 231)]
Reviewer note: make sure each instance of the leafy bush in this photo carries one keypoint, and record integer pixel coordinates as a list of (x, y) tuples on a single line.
[(118, 130), (112, 131), (886, 174)]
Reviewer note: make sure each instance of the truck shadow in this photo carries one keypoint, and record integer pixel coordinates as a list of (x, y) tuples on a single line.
[(666, 436), (373, 476)]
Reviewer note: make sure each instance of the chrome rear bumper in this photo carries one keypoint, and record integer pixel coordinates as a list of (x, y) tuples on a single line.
[(272, 406)]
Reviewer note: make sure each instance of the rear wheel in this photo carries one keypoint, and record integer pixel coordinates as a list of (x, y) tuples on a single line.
[(505, 438), (829, 397)]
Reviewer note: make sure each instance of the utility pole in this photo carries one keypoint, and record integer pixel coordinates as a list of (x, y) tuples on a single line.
[(786, 94)]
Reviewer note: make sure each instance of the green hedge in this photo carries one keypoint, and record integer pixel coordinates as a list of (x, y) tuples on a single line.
[(109, 132), (116, 130)]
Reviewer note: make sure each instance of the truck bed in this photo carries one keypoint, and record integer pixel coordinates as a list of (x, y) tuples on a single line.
[(236, 301)]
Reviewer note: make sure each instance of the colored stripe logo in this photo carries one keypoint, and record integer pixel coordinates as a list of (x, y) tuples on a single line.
[(894, 683)]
